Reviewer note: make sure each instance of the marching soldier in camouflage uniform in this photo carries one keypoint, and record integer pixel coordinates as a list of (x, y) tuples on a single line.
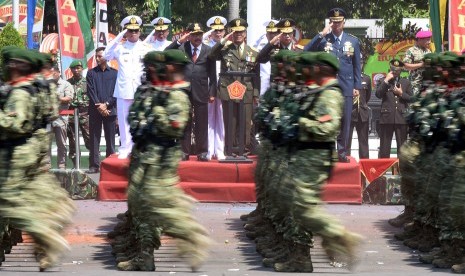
[(156, 206), (81, 102), (414, 59), (309, 166), (30, 197)]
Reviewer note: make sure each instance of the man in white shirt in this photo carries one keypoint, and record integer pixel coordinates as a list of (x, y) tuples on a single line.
[(129, 55), (158, 38), (215, 110)]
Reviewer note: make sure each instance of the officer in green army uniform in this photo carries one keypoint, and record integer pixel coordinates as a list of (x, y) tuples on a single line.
[(156, 206), (237, 56), (31, 200), (414, 59), (81, 102)]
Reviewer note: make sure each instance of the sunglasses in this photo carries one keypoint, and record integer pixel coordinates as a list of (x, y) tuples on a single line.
[(133, 31)]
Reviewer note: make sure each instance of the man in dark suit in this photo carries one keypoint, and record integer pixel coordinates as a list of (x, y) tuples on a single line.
[(346, 48), (237, 56), (360, 119), (395, 93), (201, 73), (101, 82)]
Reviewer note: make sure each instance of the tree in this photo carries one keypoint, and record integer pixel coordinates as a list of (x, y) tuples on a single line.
[(9, 36)]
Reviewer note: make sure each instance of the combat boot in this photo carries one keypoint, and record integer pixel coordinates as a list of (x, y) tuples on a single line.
[(142, 261), (299, 261), (430, 240), (122, 216), (411, 230), (342, 249), (459, 268), (405, 217), (453, 256), (250, 215), (434, 254), (414, 242), (271, 261)]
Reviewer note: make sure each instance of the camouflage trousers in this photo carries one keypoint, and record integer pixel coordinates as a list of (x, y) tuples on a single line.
[(158, 206), (424, 164), (262, 163), (455, 217), (31, 199), (409, 152)]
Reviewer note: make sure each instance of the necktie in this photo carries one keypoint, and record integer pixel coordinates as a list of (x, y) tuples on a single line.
[(338, 42), (194, 55), (239, 50)]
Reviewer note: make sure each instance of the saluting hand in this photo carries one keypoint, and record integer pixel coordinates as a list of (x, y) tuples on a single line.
[(327, 29), (184, 38), (275, 40)]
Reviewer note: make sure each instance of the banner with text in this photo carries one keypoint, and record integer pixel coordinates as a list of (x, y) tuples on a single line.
[(6, 15), (71, 39), (456, 25)]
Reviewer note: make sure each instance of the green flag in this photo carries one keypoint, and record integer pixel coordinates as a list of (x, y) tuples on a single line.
[(84, 10), (435, 18)]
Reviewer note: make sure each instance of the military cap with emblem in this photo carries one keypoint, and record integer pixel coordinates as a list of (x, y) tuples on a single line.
[(327, 59), (271, 26), (286, 25), (336, 15), (131, 22), (238, 24), (161, 23), (194, 28), (75, 63), (217, 22), (396, 64)]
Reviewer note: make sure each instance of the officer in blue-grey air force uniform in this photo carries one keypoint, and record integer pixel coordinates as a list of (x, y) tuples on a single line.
[(346, 48)]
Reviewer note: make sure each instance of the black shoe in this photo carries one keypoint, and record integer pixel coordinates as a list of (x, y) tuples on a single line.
[(185, 157), (92, 170), (202, 157)]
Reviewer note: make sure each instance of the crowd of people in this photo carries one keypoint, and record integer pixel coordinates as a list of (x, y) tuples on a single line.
[(208, 93)]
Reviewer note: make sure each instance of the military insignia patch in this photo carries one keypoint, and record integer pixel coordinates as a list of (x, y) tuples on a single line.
[(238, 22), (160, 21), (236, 90), (217, 21), (287, 23)]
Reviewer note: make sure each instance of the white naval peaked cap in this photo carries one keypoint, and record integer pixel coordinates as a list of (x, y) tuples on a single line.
[(131, 22), (161, 23), (217, 22), (270, 25)]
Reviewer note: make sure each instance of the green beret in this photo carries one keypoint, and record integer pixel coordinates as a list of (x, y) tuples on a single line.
[(174, 56), (75, 63), (154, 57), (448, 59), (284, 56), (307, 58), (18, 54), (431, 59), (327, 59), (7, 52)]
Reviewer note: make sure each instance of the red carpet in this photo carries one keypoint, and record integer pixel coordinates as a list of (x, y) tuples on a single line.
[(226, 182)]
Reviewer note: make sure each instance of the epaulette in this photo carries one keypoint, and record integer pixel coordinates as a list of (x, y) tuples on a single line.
[(227, 44), (353, 36), (298, 46)]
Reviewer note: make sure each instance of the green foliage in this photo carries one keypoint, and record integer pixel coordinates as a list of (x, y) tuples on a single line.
[(10, 36)]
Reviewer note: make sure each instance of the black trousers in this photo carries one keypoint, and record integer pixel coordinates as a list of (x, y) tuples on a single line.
[(231, 134), (96, 120), (385, 138), (362, 135), (197, 127)]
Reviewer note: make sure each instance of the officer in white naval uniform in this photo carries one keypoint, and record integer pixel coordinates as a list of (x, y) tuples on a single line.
[(215, 110), (158, 38), (129, 55), (265, 68)]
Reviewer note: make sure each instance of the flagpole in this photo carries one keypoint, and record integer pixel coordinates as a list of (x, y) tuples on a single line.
[(15, 13)]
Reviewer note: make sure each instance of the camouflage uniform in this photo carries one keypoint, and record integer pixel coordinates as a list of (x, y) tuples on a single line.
[(415, 55), (30, 197), (80, 101), (156, 205)]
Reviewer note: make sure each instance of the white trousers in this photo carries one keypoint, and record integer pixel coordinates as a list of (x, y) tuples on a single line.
[(122, 110), (215, 130)]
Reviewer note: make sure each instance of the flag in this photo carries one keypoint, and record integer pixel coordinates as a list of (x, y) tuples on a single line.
[(84, 10), (101, 23), (31, 8), (456, 30), (435, 18)]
